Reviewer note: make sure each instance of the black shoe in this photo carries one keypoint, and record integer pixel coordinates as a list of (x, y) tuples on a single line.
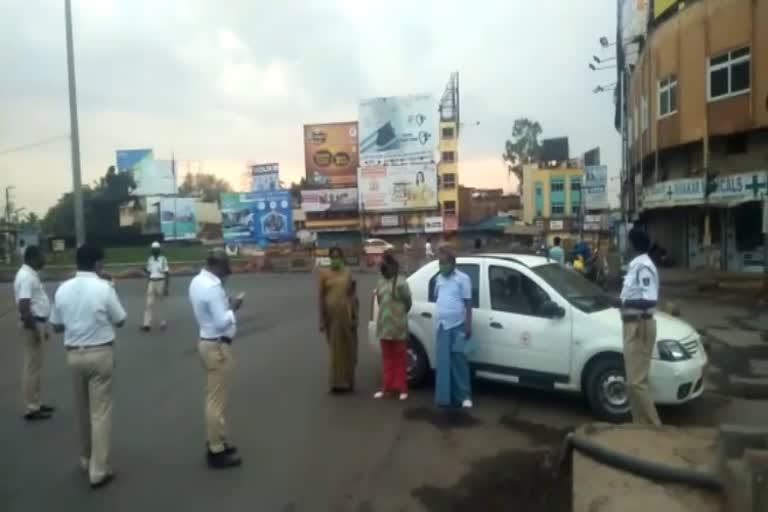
[(145, 328), (109, 477), (223, 460), (47, 408), (37, 415), (228, 448)]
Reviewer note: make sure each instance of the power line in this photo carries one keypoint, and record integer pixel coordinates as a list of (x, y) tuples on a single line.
[(31, 145)]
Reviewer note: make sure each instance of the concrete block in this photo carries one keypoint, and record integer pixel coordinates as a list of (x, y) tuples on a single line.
[(736, 439), (748, 387)]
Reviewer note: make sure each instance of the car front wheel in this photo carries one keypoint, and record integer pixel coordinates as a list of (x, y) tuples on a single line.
[(606, 390), (417, 363)]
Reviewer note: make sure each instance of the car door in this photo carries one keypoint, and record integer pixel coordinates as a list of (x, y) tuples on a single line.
[(522, 341)]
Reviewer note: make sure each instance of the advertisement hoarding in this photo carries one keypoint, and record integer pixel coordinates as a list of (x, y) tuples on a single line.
[(265, 177), (329, 200), (397, 129), (633, 24), (152, 177), (330, 154), (595, 187), (257, 217), (398, 187), (433, 224), (662, 6), (177, 218)]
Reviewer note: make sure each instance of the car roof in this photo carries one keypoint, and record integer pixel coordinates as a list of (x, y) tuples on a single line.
[(528, 260)]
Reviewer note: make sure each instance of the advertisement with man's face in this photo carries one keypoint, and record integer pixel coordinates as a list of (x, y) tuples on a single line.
[(257, 217), (398, 187), (330, 154)]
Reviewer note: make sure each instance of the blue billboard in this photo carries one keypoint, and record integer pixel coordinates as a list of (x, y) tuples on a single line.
[(257, 217)]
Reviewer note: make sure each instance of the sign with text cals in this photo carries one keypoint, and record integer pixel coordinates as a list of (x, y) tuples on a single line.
[(731, 190)]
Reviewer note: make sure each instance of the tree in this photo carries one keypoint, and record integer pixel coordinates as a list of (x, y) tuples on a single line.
[(31, 219), (523, 148), (205, 186)]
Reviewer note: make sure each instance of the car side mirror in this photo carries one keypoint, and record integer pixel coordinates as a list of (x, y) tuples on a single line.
[(550, 309)]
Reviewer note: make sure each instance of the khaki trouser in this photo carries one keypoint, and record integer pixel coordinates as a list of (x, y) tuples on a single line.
[(216, 358), (639, 338), (33, 364), (92, 376), (155, 295)]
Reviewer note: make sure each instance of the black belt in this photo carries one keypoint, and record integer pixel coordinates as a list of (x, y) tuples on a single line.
[(157, 279), (220, 339), (41, 319), (89, 347), (636, 318)]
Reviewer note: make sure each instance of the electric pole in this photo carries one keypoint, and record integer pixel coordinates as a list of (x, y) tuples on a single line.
[(77, 185)]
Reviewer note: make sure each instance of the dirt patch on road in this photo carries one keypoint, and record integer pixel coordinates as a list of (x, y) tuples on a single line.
[(538, 433), (515, 480), (442, 419)]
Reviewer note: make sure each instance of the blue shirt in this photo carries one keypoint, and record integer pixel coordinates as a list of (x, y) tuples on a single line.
[(556, 253), (451, 293)]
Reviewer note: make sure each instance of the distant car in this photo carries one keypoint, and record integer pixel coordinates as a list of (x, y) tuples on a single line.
[(538, 324), (377, 246)]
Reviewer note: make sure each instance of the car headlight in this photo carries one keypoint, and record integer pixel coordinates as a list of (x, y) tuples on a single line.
[(671, 350)]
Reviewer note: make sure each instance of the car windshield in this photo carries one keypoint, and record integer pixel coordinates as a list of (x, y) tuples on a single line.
[(575, 288)]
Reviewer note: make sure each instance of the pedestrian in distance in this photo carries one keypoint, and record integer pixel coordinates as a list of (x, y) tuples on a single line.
[(215, 315), (338, 311), (639, 296), (87, 310), (34, 308), (453, 292), (394, 299), (158, 285), (556, 251), (429, 253)]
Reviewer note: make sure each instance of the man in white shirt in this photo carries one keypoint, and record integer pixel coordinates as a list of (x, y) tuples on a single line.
[(215, 315), (639, 296), (34, 308), (453, 305), (158, 275), (428, 252), (87, 310)]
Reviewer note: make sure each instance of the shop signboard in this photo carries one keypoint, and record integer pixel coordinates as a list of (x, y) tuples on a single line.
[(731, 190), (595, 183), (556, 225), (398, 187), (389, 221), (740, 188), (433, 224), (329, 200), (683, 192), (331, 154), (398, 129)]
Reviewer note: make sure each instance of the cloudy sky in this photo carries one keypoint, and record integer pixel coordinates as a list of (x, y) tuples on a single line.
[(220, 83)]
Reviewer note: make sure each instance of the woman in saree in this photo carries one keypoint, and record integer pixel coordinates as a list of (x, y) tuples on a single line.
[(338, 320)]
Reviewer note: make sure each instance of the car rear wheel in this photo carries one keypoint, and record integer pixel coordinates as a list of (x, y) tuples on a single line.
[(417, 363), (606, 390)]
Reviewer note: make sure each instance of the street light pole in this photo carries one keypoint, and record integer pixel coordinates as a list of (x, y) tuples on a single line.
[(77, 185)]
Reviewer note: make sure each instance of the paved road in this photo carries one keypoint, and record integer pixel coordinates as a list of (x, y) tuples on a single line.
[(304, 450)]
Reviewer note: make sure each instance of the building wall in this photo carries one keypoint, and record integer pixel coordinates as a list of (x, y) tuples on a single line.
[(536, 178), (448, 144)]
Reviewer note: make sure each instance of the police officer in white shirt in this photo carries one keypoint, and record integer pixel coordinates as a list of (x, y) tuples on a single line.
[(34, 308), (157, 272), (639, 297), (215, 316), (87, 310)]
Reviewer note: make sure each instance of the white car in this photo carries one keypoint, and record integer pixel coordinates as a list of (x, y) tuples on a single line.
[(377, 246), (538, 324)]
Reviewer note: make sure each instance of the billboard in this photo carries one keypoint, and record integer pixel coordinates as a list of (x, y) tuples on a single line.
[(265, 177), (177, 218), (662, 6), (594, 190), (398, 187), (397, 129), (152, 177), (330, 154), (633, 24), (329, 200), (257, 217)]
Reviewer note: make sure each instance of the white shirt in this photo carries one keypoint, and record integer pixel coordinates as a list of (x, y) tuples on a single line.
[(428, 249), (211, 306), (27, 285), (641, 283), (451, 293), (157, 267), (88, 308)]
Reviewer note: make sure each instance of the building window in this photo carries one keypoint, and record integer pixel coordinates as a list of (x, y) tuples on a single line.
[(668, 96), (448, 132), (449, 156), (576, 209), (557, 186), (449, 181), (576, 184), (643, 113), (729, 74), (449, 208), (557, 209)]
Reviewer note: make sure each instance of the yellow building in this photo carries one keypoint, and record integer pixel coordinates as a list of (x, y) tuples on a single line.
[(552, 197), (448, 175)]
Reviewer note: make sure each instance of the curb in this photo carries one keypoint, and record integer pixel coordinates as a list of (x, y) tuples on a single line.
[(746, 387)]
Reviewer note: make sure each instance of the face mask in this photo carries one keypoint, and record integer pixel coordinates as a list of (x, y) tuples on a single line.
[(446, 269), (336, 263)]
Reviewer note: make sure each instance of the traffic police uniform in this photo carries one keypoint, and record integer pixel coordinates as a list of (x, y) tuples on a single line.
[(639, 297), (157, 272)]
